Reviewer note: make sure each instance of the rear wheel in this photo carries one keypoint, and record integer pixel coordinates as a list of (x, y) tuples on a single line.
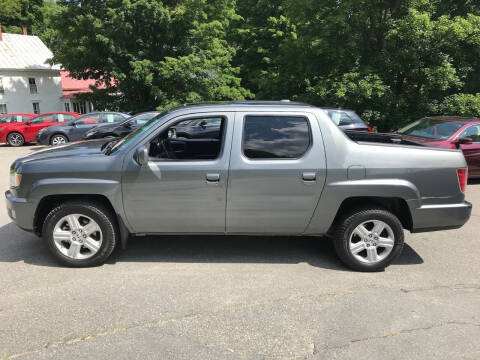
[(368, 239), (58, 140), (80, 234), (15, 139)]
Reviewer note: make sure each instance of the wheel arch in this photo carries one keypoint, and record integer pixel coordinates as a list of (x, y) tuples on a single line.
[(395, 205), (58, 133)]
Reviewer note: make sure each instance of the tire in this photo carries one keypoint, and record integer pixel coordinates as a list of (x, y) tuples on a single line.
[(15, 139), (358, 242), (91, 250), (58, 139)]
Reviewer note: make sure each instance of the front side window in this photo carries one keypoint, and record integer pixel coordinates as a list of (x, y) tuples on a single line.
[(178, 143), (36, 108), (3, 108), (112, 118), (43, 119), (32, 85), (5, 119), (88, 119), (472, 132), (275, 137)]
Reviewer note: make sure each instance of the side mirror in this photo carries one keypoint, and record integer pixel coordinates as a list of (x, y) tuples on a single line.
[(27, 122), (203, 124), (128, 125), (141, 155), (462, 140)]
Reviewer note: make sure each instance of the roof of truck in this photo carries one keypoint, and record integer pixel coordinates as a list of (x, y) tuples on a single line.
[(241, 104)]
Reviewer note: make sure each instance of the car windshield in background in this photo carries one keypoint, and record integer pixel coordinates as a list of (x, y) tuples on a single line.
[(127, 139), (432, 128), (344, 117), (140, 119)]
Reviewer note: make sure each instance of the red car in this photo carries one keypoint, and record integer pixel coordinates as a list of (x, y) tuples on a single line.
[(449, 132), (18, 133), (15, 117)]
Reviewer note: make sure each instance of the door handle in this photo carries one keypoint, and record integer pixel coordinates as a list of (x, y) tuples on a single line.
[(213, 178), (309, 176)]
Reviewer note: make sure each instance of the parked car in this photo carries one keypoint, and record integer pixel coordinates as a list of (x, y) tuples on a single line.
[(288, 169), (449, 132), (347, 119), (15, 117), (18, 133), (76, 130), (122, 129)]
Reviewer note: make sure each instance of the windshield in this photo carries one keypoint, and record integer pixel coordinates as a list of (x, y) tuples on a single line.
[(432, 128), (129, 138)]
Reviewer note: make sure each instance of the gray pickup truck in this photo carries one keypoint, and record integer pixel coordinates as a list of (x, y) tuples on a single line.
[(273, 168)]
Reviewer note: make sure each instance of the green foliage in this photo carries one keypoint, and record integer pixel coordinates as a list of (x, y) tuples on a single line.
[(460, 104), (392, 61), (17, 13), (153, 54)]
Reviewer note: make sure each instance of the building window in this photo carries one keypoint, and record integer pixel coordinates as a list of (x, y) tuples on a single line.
[(3, 108), (2, 89), (33, 85), (67, 107), (79, 107), (36, 108)]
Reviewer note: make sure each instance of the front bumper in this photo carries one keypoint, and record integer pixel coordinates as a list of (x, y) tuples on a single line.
[(20, 211), (441, 217), (42, 138)]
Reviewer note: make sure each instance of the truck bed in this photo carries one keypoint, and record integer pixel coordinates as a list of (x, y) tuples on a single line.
[(386, 138)]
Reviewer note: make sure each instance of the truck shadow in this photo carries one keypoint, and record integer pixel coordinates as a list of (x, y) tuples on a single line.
[(17, 245)]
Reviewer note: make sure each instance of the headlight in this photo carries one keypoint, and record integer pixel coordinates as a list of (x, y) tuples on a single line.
[(15, 178)]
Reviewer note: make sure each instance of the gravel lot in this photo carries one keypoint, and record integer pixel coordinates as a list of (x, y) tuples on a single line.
[(240, 298)]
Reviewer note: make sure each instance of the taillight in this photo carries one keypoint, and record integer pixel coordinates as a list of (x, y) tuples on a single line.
[(369, 129), (462, 175)]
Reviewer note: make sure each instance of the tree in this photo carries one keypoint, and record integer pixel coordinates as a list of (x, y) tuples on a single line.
[(17, 13), (151, 54)]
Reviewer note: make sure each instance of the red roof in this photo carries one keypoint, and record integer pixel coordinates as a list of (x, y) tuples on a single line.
[(71, 86)]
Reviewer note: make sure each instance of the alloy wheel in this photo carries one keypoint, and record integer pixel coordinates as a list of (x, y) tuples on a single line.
[(58, 140), (15, 139), (371, 241), (77, 236)]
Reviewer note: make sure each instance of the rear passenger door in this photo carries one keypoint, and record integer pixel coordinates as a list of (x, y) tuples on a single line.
[(277, 173)]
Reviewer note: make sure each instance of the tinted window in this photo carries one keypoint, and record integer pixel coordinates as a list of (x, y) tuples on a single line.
[(43, 119), (5, 119), (88, 119), (472, 132), (340, 117), (270, 137)]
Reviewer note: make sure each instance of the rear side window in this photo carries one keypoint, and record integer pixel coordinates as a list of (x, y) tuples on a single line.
[(275, 137)]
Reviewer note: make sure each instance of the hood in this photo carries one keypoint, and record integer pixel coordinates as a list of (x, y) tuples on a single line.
[(72, 150)]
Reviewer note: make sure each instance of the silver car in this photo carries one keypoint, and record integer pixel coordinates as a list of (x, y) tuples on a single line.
[(273, 168)]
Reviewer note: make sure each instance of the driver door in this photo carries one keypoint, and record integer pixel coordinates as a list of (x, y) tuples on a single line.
[(179, 195)]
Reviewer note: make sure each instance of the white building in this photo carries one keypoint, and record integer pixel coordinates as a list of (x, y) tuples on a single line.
[(27, 83)]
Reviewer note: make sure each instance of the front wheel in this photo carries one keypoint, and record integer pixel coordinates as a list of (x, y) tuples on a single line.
[(58, 140), (15, 139), (80, 234), (368, 239)]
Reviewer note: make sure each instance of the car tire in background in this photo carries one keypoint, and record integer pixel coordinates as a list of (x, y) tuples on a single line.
[(15, 139), (368, 239), (80, 233), (58, 139)]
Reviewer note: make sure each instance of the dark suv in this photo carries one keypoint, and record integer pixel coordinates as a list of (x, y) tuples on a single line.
[(75, 130)]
